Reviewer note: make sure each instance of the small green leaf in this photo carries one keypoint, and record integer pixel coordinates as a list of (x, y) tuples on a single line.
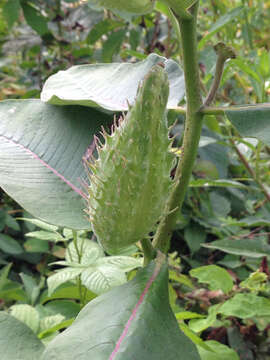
[(221, 22), (102, 278), (41, 224), (219, 352), (123, 263), (27, 315), (195, 235), (246, 306), (9, 245), (34, 18), (187, 315), (45, 235), (11, 11), (217, 277), (90, 252), (36, 245), (113, 45), (255, 248), (66, 291), (193, 336), (61, 277), (198, 325)]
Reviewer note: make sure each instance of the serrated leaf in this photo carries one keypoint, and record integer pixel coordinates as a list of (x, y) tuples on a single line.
[(61, 277), (251, 120), (17, 338), (50, 167), (133, 320), (99, 85), (217, 277), (27, 315), (102, 278)]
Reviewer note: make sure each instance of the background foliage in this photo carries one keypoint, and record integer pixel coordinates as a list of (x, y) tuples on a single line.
[(219, 256)]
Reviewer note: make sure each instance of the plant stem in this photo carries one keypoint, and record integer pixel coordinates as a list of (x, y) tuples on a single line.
[(79, 254), (148, 251), (193, 126), (221, 110), (223, 53), (253, 174)]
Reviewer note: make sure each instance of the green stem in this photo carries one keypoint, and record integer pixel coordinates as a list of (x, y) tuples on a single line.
[(249, 30), (148, 251), (223, 53), (245, 162), (193, 126), (79, 254)]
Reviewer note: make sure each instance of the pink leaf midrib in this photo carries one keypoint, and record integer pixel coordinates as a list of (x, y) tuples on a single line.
[(134, 311), (35, 156)]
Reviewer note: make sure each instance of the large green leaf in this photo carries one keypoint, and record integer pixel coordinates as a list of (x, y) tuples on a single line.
[(17, 341), (133, 321), (41, 151), (251, 120), (109, 86)]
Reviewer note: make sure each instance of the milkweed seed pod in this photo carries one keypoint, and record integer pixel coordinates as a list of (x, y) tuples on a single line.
[(137, 7), (130, 180)]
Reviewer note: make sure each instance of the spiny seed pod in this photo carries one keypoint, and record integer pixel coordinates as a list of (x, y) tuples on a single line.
[(130, 181), (137, 7)]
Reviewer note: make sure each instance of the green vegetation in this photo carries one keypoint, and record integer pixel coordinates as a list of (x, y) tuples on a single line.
[(133, 241)]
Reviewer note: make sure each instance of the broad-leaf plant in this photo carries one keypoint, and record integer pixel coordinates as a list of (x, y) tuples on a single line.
[(95, 154)]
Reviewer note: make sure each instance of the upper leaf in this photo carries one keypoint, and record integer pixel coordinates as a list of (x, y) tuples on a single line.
[(41, 151), (109, 86), (131, 321)]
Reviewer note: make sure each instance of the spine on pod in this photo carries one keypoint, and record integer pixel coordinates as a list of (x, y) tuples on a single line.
[(130, 180)]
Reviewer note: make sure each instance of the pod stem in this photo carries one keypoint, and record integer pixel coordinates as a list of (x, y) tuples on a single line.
[(192, 133)]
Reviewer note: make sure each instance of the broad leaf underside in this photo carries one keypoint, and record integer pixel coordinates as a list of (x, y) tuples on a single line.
[(41, 152), (109, 86)]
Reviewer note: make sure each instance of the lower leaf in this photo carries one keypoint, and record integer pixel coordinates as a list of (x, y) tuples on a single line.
[(132, 321)]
